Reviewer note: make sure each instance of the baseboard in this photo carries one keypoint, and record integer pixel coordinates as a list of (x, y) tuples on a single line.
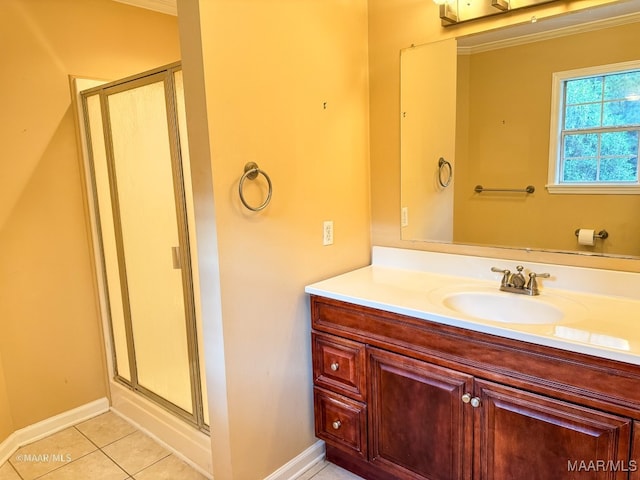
[(299, 465), (51, 425), (185, 441)]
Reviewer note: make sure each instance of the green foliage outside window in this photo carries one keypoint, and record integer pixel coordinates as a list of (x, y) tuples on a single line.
[(601, 125)]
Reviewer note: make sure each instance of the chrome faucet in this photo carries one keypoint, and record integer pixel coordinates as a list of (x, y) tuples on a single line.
[(515, 282)]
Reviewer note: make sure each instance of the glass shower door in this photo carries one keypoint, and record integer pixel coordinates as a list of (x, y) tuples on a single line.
[(147, 259)]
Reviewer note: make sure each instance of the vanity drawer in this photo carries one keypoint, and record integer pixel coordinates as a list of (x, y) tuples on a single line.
[(339, 365), (340, 421)]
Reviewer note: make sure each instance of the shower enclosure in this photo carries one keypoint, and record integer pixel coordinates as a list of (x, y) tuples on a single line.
[(142, 207)]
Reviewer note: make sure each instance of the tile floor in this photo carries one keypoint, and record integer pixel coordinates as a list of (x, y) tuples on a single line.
[(107, 447)]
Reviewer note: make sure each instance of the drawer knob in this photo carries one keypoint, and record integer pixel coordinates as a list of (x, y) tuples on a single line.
[(466, 398), (336, 425), (475, 402), (335, 366)]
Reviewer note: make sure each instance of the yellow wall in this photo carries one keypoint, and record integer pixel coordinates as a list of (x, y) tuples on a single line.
[(509, 147), (397, 24), (268, 69), (50, 335), (6, 420)]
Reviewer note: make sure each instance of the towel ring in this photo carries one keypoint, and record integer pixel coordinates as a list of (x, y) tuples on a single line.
[(442, 163), (251, 171)]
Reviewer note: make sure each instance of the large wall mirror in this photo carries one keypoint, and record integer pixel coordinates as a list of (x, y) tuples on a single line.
[(494, 91)]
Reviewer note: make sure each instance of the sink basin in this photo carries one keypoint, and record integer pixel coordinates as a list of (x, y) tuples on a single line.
[(504, 307), (487, 303)]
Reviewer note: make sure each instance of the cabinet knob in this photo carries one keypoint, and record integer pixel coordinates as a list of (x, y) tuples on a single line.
[(466, 398), (336, 425), (475, 402), (335, 366)]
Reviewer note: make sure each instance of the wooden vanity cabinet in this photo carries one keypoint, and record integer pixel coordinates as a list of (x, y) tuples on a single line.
[(419, 400)]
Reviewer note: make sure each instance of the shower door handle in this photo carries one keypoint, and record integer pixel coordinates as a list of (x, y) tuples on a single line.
[(175, 256)]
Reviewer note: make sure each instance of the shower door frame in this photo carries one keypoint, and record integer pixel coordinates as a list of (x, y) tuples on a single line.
[(166, 74)]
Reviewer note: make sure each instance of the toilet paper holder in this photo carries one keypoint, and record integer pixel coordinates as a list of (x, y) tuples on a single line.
[(602, 234)]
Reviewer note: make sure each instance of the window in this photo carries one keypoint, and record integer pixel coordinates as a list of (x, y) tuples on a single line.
[(595, 130)]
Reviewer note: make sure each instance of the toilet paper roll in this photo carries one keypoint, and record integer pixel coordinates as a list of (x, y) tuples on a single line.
[(586, 237)]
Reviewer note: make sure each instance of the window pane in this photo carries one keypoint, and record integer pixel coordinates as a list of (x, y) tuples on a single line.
[(619, 170), (617, 114), (582, 116), (580, 170), (581, 145), (622, 85), (620, 143), (584, 90)]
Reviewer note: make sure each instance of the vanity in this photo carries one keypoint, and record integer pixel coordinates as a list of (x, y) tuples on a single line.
[(415, 378)]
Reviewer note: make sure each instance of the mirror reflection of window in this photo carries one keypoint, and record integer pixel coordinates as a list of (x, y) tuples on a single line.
[(598, 129)]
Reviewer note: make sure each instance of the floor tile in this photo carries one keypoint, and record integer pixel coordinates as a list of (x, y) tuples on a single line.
[(169, 468), (105, 429), (313, 470), (333, 472), (135, 452), (8, 473), (50, 453), (96, 466)]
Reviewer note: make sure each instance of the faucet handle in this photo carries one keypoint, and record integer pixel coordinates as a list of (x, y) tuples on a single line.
[(541, 275), (499, 270), (506, 275), (532, 285)]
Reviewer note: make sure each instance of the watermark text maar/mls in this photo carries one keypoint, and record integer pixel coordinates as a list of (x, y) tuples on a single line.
[(43, 457), (602, 466)]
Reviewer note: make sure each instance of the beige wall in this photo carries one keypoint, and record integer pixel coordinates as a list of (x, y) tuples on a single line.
[(509, 147), (397, 24), (268, 69), (50, 335)]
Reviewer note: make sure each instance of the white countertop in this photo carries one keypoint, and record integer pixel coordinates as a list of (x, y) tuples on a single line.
[(606, 326)]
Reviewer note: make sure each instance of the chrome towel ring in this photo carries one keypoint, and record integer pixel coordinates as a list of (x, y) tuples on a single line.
[(251, 171), (445, 166)]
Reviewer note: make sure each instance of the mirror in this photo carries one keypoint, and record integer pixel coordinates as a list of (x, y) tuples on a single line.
[(496, 96)]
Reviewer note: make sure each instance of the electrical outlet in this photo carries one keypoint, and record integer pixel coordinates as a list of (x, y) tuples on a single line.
[(327, 233), (404, 217)]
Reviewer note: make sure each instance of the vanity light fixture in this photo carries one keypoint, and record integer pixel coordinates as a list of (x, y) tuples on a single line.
[(448, 11), (453, 12), (501, 4)]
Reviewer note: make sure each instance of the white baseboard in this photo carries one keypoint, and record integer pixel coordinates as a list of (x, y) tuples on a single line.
[(51, 425), (185, 441), (299, 465)]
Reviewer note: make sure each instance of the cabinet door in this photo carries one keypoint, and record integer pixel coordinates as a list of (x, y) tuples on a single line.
[(419, 427), (522, 435)]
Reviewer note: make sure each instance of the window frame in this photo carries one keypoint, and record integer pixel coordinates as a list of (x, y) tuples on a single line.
[(555, 138)]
